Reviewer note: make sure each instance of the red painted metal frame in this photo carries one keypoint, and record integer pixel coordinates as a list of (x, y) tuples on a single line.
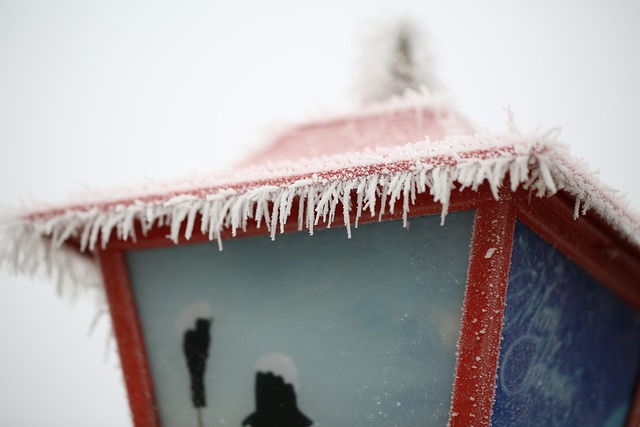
[(584, 240), (128, 332), (482, 315)]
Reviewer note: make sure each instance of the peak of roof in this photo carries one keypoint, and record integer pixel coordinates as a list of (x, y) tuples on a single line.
[(384, 126)]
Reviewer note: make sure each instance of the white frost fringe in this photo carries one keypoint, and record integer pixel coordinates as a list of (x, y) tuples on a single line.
[(25, 250), (536, 161)]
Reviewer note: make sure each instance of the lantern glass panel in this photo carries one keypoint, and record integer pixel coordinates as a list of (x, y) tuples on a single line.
[(570, 353), (331, 330)]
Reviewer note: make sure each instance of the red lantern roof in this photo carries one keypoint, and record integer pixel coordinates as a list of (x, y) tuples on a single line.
[(377, 128), (367, 163)]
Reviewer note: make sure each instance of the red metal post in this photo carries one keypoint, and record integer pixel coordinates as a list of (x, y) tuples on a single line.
[(126, 325), (479, 342)]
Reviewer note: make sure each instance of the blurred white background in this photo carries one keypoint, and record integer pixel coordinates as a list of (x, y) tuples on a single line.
[(103, 94)]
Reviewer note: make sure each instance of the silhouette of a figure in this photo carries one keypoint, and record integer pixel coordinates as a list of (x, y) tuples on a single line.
[(196, 350), (276, 404)]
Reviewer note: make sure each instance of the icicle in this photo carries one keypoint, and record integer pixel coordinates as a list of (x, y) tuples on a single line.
[(219, 240), (360, 192), (372, 190), (500, 167), (441, 190), (311, 209), (178, 215), (65, 234), (301, 203), (395, 188), (48, 225), (546, 175), (236, 210), (576, 208), (191, 219), (335, 191), (285, 207), (204, 220), (346, 206), (149, 214), (274, 216), (205, 216), (108, 226), (225, 215), (413, 189), (322, 208), (261, 208), (247, 211), (127, 227), (406, 195), (95, 230), (383, 200), (437, 184), (482, 174), (213, 218), (489, 176), (422, 181), (86, 232)]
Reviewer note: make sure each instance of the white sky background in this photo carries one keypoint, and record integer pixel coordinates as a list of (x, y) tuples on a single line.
[(104, 94)]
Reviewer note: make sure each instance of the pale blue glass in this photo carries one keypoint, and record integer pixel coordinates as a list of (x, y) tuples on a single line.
[(371, 322)]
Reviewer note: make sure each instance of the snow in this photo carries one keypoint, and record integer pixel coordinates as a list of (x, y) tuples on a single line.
[(188, 315), (281, 365), (382, 180), (489, 253)]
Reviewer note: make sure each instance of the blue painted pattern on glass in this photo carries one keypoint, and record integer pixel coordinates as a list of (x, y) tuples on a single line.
[(571, 349)]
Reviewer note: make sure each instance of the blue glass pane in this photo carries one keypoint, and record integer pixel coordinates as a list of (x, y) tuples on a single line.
[(570, 353), (339, 332)]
